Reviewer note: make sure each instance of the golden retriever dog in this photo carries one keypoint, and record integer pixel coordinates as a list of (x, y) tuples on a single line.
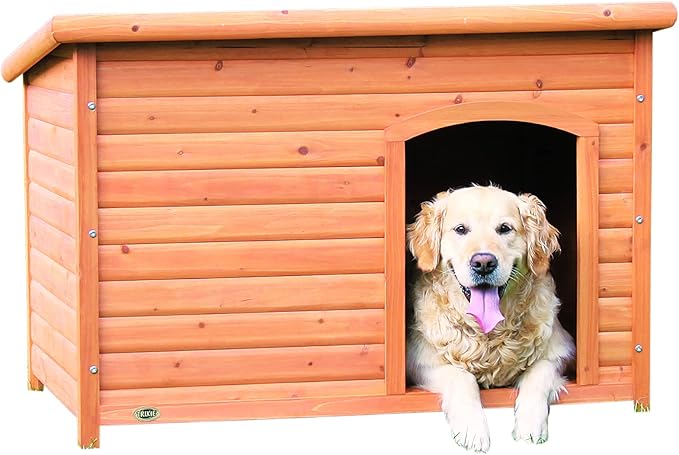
[(485, 309)]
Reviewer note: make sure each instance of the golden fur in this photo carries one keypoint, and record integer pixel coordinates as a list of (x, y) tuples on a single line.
[(445, 344)]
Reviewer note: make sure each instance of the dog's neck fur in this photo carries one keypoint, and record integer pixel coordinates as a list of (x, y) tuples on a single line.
[(499, 357)]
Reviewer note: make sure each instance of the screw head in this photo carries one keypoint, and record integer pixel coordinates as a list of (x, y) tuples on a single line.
[(638, 348), (639, 219), (641, 98), (91, 105), (94, 369), (92, 233)]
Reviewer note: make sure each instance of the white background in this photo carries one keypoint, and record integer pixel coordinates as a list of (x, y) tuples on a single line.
[(37, 422)]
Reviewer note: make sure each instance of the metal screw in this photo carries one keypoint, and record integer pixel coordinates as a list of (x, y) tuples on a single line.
[(94, 369), (638, 348), (641, 98), (91, 105), (92, 233), (639, 219)]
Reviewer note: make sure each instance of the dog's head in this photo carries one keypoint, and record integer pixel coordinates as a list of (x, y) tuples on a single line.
[(485, 236)]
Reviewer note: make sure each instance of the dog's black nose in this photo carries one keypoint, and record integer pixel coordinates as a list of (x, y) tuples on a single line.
[(483, 263)]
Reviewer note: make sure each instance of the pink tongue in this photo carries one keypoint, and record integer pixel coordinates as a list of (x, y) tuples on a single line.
[(485, 307)]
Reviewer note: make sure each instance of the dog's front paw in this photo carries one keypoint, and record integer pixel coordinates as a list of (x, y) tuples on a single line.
[(530, 422), (468, 427)]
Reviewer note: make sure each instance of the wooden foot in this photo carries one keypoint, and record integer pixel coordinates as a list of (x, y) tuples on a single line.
[(34, 383)]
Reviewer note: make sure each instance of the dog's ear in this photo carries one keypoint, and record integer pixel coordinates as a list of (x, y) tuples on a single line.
[(542, 237), (424, 235)]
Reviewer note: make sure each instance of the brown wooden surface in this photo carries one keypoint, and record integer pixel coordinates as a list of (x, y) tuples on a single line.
[(349, 112), (587, 157), (241, 186), (615, 245), (59, 212), (615, 375), (615, 176), (54, 344), (412, 401), (50, 106), (87, 261), (242, 392), (617, 141), (362, 75), (240, 150), (474, 45), (488, 111), (395, 200), (56, 313), (615, 348), (615, 279), (52, 242), (615, 314), (241, 295), (57, 380), (641, 248), (244, 222), (52, 175), (240, 259), (615, 210), (54, 277), (51, 140), (241, 331), (241, 366), (54, 73), (40, 44)]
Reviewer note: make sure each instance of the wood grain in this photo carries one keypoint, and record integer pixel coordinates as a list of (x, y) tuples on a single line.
[(340, 112), (615, 348), (242, 392), (53, 243), (240, 150), (587, 157), (54, 344), (54, 277), (615, 375), (56, 313), (617, 141), (50, 106), (53, 73), (615, 245), (241, 366), (239, 331), (615, 314), (615, 176), (244, 222), (241, 295), (240, 259), (40, 44), (641, 248), (57, 380), (395, 267), (616, 210), (615, 279), (241, 186), (51, 140), (52, 175), (59, 212)]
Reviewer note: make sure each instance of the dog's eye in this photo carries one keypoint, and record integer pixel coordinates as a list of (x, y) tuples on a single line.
[(461, 229), (504, 228)]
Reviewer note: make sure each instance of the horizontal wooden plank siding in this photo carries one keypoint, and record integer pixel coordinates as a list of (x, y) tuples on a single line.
[(607, 42), (615, 245), (54, 277), (53, 73), (245, 222), (615, 314), (57, 211), (50, 106), (361, 75), (56, 313), (241, 295), (240, 259), (240, 150), (616, 141), (234, 331), (54, 344), (52, 242), (51, 140), (52, 175), (241, 366), (621, 374), (615, 176), (330, 112), (57, 380), (241, 186), (615, 210), (242, 392), (615, 348), (615, 279)]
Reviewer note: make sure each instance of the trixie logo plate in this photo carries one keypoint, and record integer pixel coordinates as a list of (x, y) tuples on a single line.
[(147, 414)]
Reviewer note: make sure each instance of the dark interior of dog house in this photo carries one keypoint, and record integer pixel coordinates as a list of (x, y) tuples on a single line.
[(518, 157)]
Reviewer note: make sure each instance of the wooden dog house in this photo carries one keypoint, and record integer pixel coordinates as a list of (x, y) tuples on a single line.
[(216, 202)]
